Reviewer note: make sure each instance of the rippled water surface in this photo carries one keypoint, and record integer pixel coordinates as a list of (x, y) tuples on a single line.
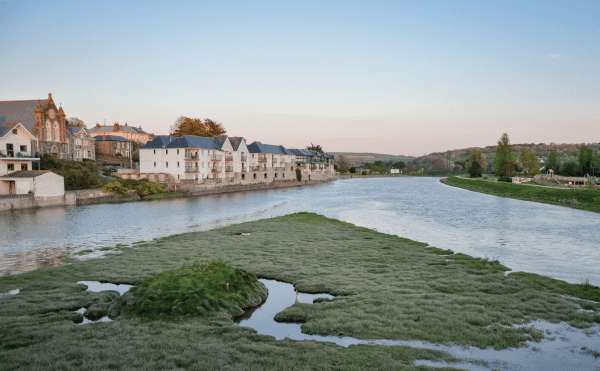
[(555, 241)]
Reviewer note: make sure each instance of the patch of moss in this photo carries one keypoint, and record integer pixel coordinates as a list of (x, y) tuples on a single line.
[(192, 290)]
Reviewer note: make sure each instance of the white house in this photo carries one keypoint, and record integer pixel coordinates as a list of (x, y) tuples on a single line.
[(41, 183), (267, 156), (16, 148)]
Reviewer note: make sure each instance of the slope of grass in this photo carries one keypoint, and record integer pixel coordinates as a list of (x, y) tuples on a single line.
[(584, 199), (387, 288)]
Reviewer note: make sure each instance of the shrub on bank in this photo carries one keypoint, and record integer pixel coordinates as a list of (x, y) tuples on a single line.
[(143, 187)]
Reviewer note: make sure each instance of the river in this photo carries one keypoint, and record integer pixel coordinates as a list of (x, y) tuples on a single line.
[(525, 236)]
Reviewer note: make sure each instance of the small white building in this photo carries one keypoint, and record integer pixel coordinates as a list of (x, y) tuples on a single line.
[(17, 146), (394, 171), (41, 183)]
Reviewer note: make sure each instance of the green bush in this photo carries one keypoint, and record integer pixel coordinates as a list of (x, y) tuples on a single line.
[(143, 187), (115, 186), (364, 172), (77, 175), (298, 174)]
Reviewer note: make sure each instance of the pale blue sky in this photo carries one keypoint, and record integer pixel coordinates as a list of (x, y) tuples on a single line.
[(364, 76)]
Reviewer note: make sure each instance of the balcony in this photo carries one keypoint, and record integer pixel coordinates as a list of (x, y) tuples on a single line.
[(192, 169), (274, 160), (262, 159), (228, 158), (244, 158), (191, 156), (216, 169), (17, 155), (228, 169), (216, 158)]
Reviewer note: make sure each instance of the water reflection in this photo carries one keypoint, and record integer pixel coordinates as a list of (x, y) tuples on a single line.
[(539, 238), (564, 347), (96, 286)]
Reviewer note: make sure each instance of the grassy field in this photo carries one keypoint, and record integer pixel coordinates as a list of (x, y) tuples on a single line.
[(584, 199), (387, 288)]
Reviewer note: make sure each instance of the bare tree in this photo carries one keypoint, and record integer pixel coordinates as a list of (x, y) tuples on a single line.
[(343, 165), (75, 122)]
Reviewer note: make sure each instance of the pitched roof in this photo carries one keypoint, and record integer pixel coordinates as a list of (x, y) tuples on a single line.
[(25, 174), (22, 111), (258, 147), (301, 152), (192, 141), (112, 138), (111, 128), (160, 141), (236, 142), (5, 127)]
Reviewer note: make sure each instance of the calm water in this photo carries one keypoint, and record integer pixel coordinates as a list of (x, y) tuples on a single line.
[(525, 236)]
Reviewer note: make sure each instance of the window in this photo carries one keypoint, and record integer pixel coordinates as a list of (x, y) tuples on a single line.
[(167, 151), (166, 164), (177, 176), (11, 167), (275, 175), (254, 176), (48, 132), (23, 148), (243, 176), (265, 176), (89, 154), (24, 167), (154, 151), (178, 153), (55, 132), (178, 162), (253, 155), (14, 131), (155, 164)]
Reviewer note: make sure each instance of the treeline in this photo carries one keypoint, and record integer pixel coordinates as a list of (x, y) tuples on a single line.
[(78, 175)]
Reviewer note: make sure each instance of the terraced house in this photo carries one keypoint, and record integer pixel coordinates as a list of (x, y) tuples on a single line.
[(130, 133)]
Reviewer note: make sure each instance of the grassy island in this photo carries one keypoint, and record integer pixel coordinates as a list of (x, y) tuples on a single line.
[(580, 198), (386, 287)]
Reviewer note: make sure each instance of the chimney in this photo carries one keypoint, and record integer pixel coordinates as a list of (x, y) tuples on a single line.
[(116, 126), (140, 127), (103, 136), (125, 124), (97, 125)]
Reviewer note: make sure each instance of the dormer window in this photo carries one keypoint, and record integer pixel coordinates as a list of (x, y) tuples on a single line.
[(14, 131)]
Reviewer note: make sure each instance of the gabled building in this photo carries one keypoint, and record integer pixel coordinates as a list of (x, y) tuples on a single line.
[(16, 148), (44, 121), (266, 156), (39, 183), (113, 145), (84, 146), (130, 133)]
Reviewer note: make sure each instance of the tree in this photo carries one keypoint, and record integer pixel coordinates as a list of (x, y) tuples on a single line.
[(75, 122), (342, 164), (552, 161), (399, 165), (504, 163), (585, 159), (475, 170), (188, 126), (570, 166), (595, 162), (353, 170), (410, 167), (477, 156), (317, 148), (529, 163), (439, 165)]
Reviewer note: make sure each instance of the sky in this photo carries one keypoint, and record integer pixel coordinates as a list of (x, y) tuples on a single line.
[(393, 77)]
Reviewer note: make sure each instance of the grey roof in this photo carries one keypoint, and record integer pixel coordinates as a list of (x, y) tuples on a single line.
[(22, 111), (5, 127), (25, 174), (236, 142), (160, 141), (258, 147), (2, 118), (112, 138), (192, 141), (301, 152), (111, 128)]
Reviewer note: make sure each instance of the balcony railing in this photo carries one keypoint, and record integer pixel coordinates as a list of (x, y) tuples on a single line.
[(262, 159), (191, 156), (16, 154), (216, 169), (216, 158), (274, 160), (228, 169), (192, 169), (254, 168), (228, 158), (244, 158)]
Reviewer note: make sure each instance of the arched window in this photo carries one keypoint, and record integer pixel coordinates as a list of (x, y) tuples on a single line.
[(48, 132), (56, 132)]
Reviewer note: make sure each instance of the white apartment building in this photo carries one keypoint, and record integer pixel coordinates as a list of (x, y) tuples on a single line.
[(17, 147), (265, 156), (194, 158)]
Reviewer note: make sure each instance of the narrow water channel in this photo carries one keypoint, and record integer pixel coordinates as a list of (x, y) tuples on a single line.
[(564, 348)]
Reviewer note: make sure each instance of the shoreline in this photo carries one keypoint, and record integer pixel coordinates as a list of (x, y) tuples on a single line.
[(387, 287), (580, 199)]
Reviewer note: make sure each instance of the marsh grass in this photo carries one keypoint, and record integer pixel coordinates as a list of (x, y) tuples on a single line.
[(386, 287), (581, 198)]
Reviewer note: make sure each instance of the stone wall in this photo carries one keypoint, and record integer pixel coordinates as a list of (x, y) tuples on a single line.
[(28, 201)]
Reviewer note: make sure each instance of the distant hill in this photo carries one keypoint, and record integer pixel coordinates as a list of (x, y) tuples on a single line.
[(357, 159), (541, 150)]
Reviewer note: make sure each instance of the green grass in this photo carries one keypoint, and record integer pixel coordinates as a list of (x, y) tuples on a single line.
[(584, 199), (386, 287)]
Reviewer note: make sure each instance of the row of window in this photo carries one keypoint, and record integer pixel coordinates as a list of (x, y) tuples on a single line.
[(49, 132), (11, 167), (86, 154)]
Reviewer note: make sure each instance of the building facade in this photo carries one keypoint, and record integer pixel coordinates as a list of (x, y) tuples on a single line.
[(128, 132), (45, 121), (83, 145), (16, 148), (113, 145)]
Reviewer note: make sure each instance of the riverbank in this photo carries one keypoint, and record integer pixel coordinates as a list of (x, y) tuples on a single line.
[(582, 199), (386, 287)]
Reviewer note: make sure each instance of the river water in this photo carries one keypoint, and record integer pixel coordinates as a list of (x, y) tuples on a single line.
[(550, 240)]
